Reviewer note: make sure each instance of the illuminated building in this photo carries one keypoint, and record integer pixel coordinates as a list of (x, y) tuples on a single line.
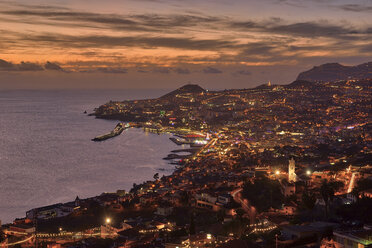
[(291, 171)]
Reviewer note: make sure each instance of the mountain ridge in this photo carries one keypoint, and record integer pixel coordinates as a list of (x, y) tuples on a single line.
[(336, 71), (187, 88)]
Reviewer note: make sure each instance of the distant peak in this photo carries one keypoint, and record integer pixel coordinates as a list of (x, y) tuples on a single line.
[(187, 88), (191, 87), (331, 64), (300, 83), (336, 71)]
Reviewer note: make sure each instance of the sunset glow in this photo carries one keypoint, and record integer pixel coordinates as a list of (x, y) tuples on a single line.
[(243, 40)]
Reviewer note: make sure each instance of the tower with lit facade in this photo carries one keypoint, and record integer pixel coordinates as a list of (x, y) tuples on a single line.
[(291, 171)]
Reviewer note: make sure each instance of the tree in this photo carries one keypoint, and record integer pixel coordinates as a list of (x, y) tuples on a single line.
[(335, 186), (192, 230), (239, 213), (185, 198), (362, 184), (357, 211), (156, 176), (263, 193), (327, 190), (221, 215), (308, 200), (2, 236)]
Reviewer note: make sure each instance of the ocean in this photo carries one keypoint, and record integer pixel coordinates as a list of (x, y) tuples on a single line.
[(47, 156)]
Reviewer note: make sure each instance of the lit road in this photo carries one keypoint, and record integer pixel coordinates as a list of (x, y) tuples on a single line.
[(250, 210), (57, 236), (18, 242), (352, 183)]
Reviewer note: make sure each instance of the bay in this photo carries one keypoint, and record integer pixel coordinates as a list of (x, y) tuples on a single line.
[(47, 156)]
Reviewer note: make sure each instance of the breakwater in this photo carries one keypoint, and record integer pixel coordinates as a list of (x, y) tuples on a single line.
[(120, 127)]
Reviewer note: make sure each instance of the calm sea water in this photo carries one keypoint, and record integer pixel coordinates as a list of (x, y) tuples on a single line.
[(47, 156)]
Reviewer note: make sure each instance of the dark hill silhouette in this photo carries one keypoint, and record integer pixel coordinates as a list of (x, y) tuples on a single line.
[(335, 71), (265, 86), (188, 88), (300, 83)]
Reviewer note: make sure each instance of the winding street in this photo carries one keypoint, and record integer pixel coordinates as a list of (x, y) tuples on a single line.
[(250, 210)]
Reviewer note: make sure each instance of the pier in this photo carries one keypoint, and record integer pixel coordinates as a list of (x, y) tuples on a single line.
[(120, 127)]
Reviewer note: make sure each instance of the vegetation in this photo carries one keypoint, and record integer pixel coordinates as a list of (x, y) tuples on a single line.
[(308, 200), (156, 176), (362, 184), (327, 190), (263, 193), (359, 211), (2, 236), (192, 225), (237, 227)]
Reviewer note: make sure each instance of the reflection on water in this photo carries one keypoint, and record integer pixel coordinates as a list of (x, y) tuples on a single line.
[(46, 155)]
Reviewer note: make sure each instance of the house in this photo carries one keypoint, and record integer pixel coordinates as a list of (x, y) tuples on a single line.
[(20, 229), (175, 245), (315, 229), (72, 206), (206, 197), (54, 245), (288, 189), (207, 205), (224, 199), (236, 243), (164, 211), (146, 199), (125, 226), (48, 212), (206, 201), (350, 239), (106, 199), (289, 209), (199, 240), (366, 193)]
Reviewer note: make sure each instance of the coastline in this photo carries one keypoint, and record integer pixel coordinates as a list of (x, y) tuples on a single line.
[(190, 150), (161, 170), (30, 179)]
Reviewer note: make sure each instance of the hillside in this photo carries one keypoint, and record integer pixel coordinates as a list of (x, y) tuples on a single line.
[(336, 71), (188, 88)]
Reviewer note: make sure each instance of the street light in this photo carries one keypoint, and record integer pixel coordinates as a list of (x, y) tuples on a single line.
[(308, 172), (108, 221), (276, 240), (277, 172)]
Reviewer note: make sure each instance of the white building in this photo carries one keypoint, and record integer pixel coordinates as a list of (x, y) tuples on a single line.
[(291, 171)]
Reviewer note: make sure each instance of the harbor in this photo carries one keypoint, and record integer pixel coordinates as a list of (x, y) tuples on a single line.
[(195, 140)]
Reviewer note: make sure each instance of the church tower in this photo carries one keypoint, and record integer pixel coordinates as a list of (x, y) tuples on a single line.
[(291, 171), (77, 201)]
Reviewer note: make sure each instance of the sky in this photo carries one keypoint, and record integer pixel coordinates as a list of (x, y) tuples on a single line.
[(152, 44)]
